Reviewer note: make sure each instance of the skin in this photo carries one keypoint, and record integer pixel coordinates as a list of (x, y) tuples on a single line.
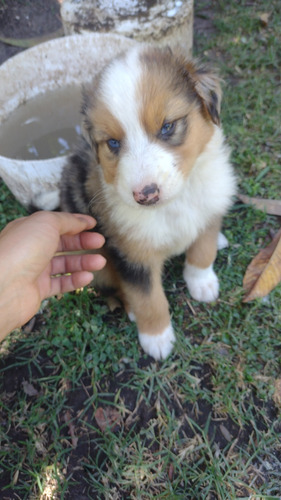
[(31, 260)]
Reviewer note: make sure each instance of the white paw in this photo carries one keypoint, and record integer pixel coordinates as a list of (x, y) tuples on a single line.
[(222, 241), (158, 346), (131, 316), (203, 284)]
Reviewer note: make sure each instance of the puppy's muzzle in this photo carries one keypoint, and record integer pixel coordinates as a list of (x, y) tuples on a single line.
[(149, 195)]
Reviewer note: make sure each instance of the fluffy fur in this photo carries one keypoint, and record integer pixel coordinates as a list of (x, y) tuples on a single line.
[(153, 169)]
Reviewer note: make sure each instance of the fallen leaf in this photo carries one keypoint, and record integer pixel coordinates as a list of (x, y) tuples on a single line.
[(29, 389), (68, 421), (226, 434), (272, 207), (107, 418), (171, 471), (264, 18), (40, 448), (28, 327), (264, 272)]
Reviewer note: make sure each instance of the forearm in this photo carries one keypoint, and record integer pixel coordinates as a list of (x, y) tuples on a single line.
[(15, 308)]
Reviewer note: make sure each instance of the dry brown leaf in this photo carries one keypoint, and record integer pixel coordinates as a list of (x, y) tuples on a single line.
[(264, 18), (264, 272), (272, 207), (29, 389), (107, 418), (171, 471), (226, 434), (40, 447), (71, 427)]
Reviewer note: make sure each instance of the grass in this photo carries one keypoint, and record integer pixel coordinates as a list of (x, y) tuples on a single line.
[(206, 422)]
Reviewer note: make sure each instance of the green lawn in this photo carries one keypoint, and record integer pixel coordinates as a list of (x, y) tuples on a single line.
[(204, 424)]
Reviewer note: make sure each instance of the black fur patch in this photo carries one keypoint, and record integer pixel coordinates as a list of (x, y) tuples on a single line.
[(133, 273), (70, 204), (213, 107), (108, 291), (73, 185)]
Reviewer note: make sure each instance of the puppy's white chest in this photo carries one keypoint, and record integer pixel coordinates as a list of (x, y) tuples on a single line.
[(170, 228), (175, 227)]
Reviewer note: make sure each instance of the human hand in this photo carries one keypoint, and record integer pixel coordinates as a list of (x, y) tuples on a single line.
[(33, 263)]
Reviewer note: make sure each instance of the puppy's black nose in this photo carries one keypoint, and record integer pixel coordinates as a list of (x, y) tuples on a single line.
[(149, 195)]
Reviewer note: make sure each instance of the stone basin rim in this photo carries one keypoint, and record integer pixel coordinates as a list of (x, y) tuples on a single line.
[(53, 64)]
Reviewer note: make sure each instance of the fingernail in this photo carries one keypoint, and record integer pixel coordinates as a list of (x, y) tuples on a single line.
[(91, 222)]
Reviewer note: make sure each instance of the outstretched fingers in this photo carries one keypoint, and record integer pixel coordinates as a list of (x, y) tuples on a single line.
[(70, 282), (65, 264), (82, 241)]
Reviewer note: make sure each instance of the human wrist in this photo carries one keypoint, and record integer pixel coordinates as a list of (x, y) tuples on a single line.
[(9, 309)]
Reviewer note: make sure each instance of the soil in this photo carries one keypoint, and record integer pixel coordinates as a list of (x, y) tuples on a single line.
[(24, 20), (32, 18), (82, 434)]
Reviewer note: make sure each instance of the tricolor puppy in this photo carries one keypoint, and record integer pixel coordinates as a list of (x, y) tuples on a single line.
[(154, 170)]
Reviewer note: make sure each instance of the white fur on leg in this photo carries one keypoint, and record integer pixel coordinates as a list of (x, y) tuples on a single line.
[(202, 284), (158, 346), (131, 316), (222, 241)]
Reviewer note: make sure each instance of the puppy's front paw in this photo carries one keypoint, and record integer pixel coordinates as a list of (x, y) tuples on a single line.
[(158, 346), (131, 316), (203, 284)]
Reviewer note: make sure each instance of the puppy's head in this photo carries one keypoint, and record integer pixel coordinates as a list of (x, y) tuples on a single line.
[(149, 115)]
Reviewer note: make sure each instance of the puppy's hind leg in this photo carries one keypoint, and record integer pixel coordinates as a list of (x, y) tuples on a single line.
[(201, 280)]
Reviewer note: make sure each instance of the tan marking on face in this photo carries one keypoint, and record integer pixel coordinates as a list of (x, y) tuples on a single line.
[(164, 108), (160, 93), (108, 162), (105, 127), (167, 96), (199, 133)]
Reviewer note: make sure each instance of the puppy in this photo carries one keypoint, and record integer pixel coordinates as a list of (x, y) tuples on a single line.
[(153, 169)]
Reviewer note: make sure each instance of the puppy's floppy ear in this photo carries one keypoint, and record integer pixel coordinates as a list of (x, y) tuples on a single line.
[(207, 86)]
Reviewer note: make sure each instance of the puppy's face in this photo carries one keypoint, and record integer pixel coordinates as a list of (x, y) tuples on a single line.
[(149, 116)]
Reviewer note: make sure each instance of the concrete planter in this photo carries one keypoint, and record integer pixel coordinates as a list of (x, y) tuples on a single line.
[(51, 65), (162, 22)]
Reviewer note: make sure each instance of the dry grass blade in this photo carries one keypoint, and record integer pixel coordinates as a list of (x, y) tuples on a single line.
[(264, 272)]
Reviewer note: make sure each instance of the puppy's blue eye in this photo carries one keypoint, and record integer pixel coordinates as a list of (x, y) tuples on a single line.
[(167, 130), (114, 145)]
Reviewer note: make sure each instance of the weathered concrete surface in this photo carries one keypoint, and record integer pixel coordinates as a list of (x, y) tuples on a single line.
[(46, 67), (163, 22)]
